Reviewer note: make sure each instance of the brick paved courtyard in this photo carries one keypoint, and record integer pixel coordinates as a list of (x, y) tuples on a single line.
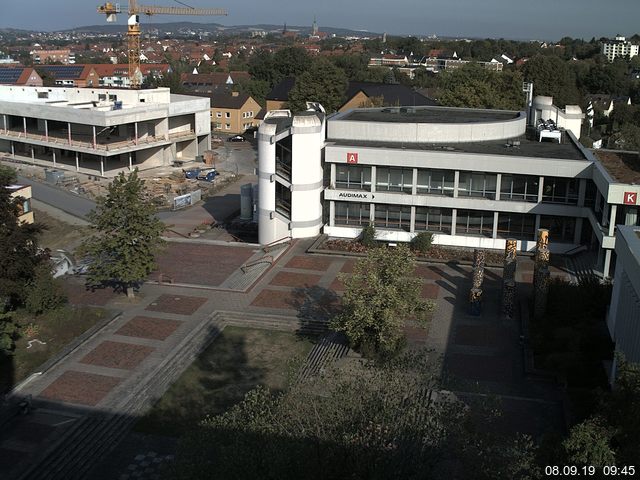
[(178, 304), (149, 327), (80, 388), (117, 355)]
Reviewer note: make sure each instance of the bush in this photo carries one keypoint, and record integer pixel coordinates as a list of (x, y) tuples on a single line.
[(368, 236), (422, 242), (43, 291)]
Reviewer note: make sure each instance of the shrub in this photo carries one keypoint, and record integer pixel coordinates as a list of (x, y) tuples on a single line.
[(422, 242), (43, 291), (368, 236)]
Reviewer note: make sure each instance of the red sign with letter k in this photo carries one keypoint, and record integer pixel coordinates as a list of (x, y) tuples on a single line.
[(630, 198)]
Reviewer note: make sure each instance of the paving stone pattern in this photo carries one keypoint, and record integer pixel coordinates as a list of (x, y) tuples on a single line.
[(149, 327), (117, 355), (80, 388), (177, 304)]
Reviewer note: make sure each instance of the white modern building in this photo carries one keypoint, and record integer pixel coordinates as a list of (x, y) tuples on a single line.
[(102, 131), (619, 47), (472, 177), (624, 312)]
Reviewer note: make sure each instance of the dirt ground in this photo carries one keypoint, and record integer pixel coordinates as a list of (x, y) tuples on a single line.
[(59, 234)]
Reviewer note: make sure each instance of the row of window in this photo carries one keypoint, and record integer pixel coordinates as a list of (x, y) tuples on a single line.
[(228, 114), (470, 184), (218, 126), (439, 220)]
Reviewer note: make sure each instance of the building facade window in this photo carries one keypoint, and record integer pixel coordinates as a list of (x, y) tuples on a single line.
[(352, 213), (394, 217), (516, 225), (218, 114), (560, 190), (474, 222), (560, 228), (227, 126), (353, 177), (283, 200), (227, 115), (435, 182), (473, 184), (394, 179), (433, 219), (519, 188)]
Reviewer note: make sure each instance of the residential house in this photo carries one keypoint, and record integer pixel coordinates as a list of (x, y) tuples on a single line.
[(367, 94), (71, 75), (23, 192), (233, 112), (63, 56), (20, 76)]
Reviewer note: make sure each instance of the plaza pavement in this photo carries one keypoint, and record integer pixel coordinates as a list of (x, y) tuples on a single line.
[(480, 356)]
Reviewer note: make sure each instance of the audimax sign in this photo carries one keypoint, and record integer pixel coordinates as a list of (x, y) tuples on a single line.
[(359, 195)]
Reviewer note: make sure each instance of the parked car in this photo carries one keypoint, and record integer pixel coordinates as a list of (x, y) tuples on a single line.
[(207, 175), (237, 138), (191, 173)]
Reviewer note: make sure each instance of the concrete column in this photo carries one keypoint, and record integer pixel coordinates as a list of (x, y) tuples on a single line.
[(578, 232), (5, 122), (537, 223), (102, 166), (135, 128), (456, 183), (631, 216), (130, 162), (607, 263), (53, 150), (612, 220), (69, 131), (372, 212), (373, 178), (13, 150), (494, 234), (540, 189), (412, 228), (332, 175), (24, 125), (454, 219), (582, 190), (498, 183), (95, 138), (332, 210), (46, 129), (77, 163), (33, 155), (414, 189)]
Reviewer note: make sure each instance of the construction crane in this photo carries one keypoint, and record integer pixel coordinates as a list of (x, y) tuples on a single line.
[(133, 27)]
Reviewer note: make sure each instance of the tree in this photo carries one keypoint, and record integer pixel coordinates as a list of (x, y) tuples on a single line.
[(552, 77), (589, 443), (476, 87), (43, 291), (360, 421), (127, 235), (422, 242), (379, 297), (19, 252), (368, 236), (323, 82)]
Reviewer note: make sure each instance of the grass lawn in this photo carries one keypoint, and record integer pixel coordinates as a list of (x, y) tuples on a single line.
[(237, 361), (59, 234), (56, 328)]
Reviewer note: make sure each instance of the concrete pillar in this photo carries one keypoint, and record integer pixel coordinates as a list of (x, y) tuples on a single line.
[(46, 130), (413, 219), (372, 212), (5, 123), (374, 178), (135, 128), (33, 155), (540, 189), (95, 138), (454, 215), (582, 190), (77, 163), (607, 263), (631, 216), (612, 220), (130, 162), (332, 178), (69, 132), (494, 234), (537, 226), (414, 185), (578, 232), (332, 211), (53, 150), (102, 166), (24, 125), (498, 185), (456, 183), (13, 150)]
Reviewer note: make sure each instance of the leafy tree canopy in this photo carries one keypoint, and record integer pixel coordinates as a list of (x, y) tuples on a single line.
[(323, 82)]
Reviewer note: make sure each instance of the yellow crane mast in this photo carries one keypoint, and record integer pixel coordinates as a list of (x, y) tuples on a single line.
[(133, 27)]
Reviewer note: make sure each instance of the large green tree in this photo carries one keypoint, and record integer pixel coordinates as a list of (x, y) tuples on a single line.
[(551, 76), (323, 82), (381, 295), (476, 87), (359, 421), (127, 235)]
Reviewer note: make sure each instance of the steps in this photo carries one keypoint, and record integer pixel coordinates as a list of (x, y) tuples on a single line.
[(329, 349), (284, 323)]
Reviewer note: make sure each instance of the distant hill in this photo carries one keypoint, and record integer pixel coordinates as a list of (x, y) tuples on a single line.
[(218, 28)]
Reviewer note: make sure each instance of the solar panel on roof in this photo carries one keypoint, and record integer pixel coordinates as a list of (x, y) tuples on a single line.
[(10, 75), (63, 72)]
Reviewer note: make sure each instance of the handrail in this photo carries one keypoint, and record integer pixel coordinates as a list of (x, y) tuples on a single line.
[(266, 259), (270, 246)]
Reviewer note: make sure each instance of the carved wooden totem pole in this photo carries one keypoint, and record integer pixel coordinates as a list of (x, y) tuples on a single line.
[(475, 295), (541, 274), (509, 278)]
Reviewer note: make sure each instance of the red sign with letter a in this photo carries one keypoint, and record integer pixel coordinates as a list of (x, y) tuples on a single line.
[(630, 198), (352, 157)]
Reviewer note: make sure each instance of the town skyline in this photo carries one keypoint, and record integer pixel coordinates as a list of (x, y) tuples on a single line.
[(542, 20)]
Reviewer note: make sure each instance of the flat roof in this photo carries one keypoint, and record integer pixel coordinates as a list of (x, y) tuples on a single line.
[(624, 167), (428, 115), (527, 148)]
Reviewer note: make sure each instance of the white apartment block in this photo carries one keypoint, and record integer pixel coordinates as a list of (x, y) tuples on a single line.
[(619, 48)]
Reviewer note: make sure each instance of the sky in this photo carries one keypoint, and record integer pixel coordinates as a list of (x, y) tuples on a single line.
[(513, 19)]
